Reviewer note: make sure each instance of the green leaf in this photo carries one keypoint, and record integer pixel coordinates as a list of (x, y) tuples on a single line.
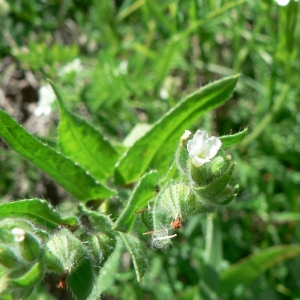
[(142, 194), (108, 272), (81, 280), (136, 133), (101, 246), (36, 210), (63, 170), (84, 144), (138, 254), (156, 148), (251, 267), (97, 222), (230, 140), (171, 174)]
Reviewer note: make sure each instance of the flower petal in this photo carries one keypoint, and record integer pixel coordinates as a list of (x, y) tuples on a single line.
[(212, 146), (198, 162), (202, 148), (195, 145)]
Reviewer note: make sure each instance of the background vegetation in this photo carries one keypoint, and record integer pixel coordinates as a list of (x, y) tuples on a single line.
[(137, 59)]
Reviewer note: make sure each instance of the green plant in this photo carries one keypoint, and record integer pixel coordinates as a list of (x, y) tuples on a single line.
[(138, 56), (84, 248)]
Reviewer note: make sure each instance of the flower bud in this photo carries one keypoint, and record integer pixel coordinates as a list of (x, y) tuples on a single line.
[(168, 210), (226, 196), (209, 172), (63, 250), (33, 276), (182, 155), (8, 257), (29, 245), (13, 230), (218, 190)]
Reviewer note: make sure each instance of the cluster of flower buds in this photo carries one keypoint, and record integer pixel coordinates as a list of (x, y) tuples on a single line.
[(204, 183), (207, 168), (21, 258)]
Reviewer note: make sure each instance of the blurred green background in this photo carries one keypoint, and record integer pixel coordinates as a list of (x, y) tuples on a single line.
[(120, 63)]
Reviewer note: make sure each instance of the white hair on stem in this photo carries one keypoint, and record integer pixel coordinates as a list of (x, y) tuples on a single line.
[(164, 237)]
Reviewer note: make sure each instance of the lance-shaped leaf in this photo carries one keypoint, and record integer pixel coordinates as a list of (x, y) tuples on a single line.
[(63, 170), (250, 268), (36, 210), (80, 141), (108, 272), (230, 140), (138, 254), (144, 191), (155, 149)]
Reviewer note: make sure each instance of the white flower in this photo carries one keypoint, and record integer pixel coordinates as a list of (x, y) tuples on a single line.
[(283, 2), (164, 94), (123, 66), (121, 69), (46, 98), (73, 66), (202, 148), (19, 234)]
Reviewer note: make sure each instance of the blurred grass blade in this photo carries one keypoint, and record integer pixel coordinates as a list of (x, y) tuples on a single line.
[(62, 169), (213, 243), (285, 217), (164, 59), (230, 140), (36, 210), (212, 256), (251, 268), (138, 254), (125, 12), (84, 144), (210, 16), (144, 191), (160, 15), (156, 148)]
